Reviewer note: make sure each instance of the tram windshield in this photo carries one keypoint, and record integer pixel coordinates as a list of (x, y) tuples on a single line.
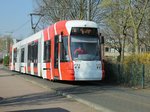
[(85, 48)]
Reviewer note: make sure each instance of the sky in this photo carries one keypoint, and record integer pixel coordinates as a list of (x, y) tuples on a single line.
[(15, 18)]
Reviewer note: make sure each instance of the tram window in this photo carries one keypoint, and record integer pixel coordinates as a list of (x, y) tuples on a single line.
[(29, 53), (56, 51), (64, 50), (15, 55), (35, 52), (47, 51), (22, 55), (32, 52)]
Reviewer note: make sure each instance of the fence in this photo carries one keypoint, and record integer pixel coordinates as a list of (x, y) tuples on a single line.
[(134, 75)]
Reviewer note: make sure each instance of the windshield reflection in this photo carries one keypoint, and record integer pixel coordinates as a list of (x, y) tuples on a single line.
[(85, 48)]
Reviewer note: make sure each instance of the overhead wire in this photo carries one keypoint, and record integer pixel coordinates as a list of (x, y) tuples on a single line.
[(20, 27)]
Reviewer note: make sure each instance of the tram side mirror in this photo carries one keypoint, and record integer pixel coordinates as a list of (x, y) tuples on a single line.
[(102, 39)]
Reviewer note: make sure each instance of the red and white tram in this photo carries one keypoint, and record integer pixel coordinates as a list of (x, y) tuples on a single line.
[(66, 50)]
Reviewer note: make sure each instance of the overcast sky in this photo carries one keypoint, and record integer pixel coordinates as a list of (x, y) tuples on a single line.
[(15, 17)]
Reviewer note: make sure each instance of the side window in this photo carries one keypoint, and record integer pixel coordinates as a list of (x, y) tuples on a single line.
[(64, 57), (62, 52), (29, 53), (15, 55), (56, 51), (22, 55), (35, 52), (47, 51)]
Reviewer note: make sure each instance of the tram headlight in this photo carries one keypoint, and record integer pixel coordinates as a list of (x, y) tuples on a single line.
[(76, 66), (98, 66)]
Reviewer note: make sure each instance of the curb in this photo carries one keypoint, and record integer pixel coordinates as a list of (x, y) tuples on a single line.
[(88, 103)]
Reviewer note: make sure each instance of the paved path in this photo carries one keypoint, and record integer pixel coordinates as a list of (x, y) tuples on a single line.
[(19, 95)]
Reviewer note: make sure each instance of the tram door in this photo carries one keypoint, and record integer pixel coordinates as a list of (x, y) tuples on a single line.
[(56, 46)]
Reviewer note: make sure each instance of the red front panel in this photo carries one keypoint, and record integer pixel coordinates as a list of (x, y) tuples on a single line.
[(67, 70), (61, 27), (45, 34)]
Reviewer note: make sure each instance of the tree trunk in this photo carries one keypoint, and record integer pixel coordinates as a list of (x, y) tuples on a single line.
[(122, 51), (136, 41)]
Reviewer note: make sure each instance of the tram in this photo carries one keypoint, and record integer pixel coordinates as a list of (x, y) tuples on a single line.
[(66, 50)]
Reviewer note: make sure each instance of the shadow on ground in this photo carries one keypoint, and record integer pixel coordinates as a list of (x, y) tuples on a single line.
[(32, 99), (43, 110), (74, 87)]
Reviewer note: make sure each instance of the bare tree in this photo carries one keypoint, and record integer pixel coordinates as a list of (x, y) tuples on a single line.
[(55, 10), (127, 21), (5, 43), (117, 20), (145, 31), (137, 11)]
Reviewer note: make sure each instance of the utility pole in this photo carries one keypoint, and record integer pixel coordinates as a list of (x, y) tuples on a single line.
[(33, 26), (89, 10)]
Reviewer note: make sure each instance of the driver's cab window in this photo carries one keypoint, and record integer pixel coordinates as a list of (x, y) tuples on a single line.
[(83, 48)]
